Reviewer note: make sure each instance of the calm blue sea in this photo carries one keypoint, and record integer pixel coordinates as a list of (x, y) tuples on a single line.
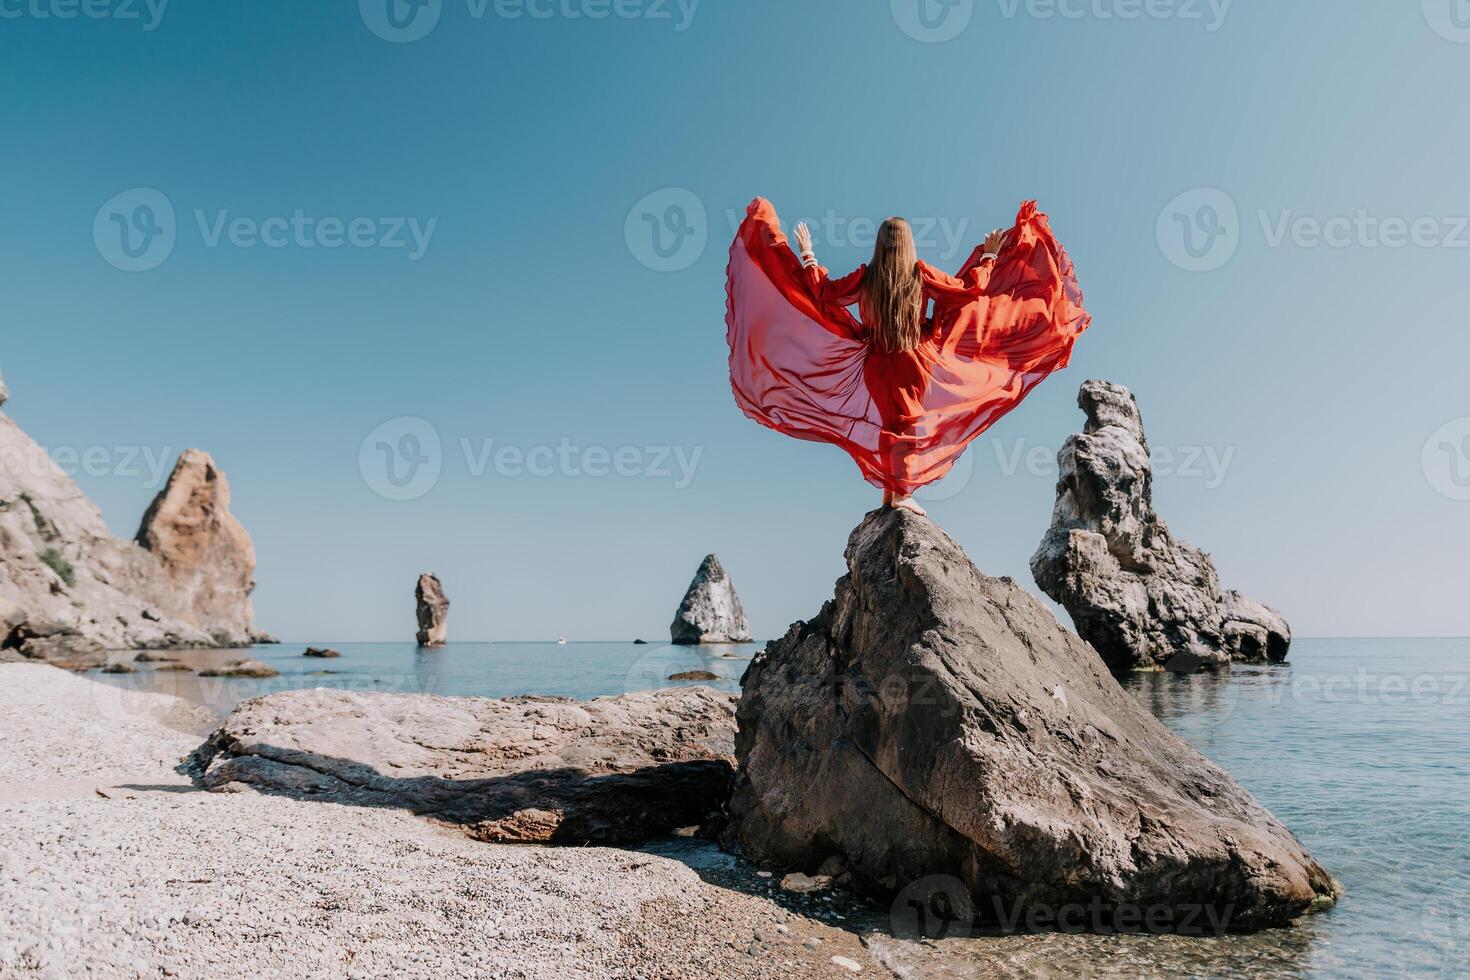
[(1361, 746)]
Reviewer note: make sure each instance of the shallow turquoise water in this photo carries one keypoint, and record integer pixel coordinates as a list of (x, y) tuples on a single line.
[(1360, 746)]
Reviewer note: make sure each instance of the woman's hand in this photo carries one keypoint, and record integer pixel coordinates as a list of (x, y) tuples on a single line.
[(995, 241), (803, 239)]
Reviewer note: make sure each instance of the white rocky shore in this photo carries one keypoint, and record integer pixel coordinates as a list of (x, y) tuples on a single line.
[(112, 864)]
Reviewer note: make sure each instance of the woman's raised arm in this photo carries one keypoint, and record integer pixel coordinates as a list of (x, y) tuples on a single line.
[(973, 278), (824, 289)]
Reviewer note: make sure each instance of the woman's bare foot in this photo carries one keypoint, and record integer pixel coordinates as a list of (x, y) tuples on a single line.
[(910, 505)]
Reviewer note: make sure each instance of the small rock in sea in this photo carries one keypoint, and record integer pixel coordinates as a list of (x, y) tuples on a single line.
[(847, 964), (640, 643), (241, 668), (174, 666), (711, 611), (153, 658), (694, 675), (433, 610), (119, 668), (320, 652), (804, 884)]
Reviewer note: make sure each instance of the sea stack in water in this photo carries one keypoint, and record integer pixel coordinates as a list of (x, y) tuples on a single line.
[(207, 557), (69, 589), (711, 611), (1144, 599), (933, 721), (433, 611)]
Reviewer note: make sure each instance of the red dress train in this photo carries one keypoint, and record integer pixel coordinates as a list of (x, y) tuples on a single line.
[(801, 362)]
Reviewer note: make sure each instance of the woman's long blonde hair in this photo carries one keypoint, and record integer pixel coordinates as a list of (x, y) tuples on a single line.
[(891, 298)]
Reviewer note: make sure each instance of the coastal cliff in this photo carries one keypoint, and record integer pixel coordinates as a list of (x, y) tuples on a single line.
[(70, 590)]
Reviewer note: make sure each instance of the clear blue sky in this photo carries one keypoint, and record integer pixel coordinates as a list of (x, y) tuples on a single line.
[(1318, 371)]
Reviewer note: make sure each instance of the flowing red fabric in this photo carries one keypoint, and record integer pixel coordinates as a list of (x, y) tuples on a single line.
[(801, 362)]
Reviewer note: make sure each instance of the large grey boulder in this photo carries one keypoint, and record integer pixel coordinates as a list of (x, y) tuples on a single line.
[(711, 611), (432, 608), (69, 589), (933, 721), (1143, 598), (529, 769)]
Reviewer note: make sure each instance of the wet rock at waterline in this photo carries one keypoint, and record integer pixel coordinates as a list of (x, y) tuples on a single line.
[(241, 668), (1143, 598), (711, 611), (528, 769), (433, 611), (321, 653), (934, 721)]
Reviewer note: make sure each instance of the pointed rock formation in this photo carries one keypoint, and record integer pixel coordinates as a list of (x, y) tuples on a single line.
[(711, 611), (69, 589), (1144, 599), (433, 611), (207, 557), (934, 721)]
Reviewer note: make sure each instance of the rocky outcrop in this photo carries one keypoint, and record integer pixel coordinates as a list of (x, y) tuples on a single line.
[(433, 611), (207, 557), (934, 721), (1141, 597), (70, 590), (711, 611), (248, 667), (531, 769)]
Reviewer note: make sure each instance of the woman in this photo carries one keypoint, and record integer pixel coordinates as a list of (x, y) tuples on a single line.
[(902, 389)]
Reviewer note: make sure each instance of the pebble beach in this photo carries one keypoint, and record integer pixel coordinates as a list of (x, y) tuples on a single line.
[(114, 864)]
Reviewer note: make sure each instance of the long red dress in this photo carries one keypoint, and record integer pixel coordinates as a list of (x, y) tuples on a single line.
[(802, 363)]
